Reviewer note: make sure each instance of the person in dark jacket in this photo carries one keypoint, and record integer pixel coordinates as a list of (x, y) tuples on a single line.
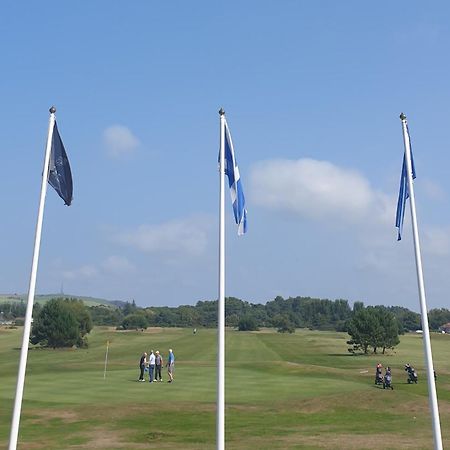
[(142, 364)]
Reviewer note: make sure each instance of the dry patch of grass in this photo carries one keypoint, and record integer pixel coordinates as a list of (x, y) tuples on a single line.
[(357, 442), (100, 438), (42, 416)]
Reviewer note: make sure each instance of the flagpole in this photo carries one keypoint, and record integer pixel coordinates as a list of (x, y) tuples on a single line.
[(106, 359), (220, 414), (432, 397), (29, 312)]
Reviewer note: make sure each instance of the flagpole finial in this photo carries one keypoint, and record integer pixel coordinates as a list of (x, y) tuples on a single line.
[(402, 116), (221, 111), (52, 110)]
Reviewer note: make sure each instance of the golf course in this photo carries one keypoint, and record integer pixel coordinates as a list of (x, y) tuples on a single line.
[(283, 391)]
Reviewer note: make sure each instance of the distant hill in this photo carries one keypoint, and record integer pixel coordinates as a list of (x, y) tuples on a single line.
[(89, 301)]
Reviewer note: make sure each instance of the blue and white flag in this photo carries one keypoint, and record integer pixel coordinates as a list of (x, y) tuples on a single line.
[(403, 194), (60, 175), (234, 179)]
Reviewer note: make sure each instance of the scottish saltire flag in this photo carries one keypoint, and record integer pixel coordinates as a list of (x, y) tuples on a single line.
[(234, 180), (59, 175), (403, 194)]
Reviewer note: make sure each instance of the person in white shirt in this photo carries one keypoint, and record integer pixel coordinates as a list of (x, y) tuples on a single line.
[(151, 366)]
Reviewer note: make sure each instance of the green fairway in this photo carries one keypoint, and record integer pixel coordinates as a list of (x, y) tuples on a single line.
[(299, 391)]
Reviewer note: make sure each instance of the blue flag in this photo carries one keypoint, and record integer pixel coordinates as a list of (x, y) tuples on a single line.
[(60, 176), (235, 183), (403, 194)]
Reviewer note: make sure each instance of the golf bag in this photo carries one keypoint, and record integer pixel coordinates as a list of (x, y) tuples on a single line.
[(412, 375), (378, 376), (387, 382)]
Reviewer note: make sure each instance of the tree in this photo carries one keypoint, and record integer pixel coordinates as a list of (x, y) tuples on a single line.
[(134, 321), (362, 328), (83, 318), (129, 308), (12, 310), (247, 323), (283, 324), (389, 329), (407, 320), (56, 325), (106, 315), (358, 306), (374, 327), (438, 317)]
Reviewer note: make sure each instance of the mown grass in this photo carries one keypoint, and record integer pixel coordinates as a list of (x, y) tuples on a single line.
[(300, 391)]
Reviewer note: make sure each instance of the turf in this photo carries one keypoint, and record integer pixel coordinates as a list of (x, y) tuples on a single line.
[(299, 391)]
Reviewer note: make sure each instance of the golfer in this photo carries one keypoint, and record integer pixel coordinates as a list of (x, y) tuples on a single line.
[(158, 365), (142, 364), (170, 365), (151, 366)]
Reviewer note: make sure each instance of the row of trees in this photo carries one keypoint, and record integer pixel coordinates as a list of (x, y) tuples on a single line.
[(293, 312), (284, 313), (66, 322), (13, 310), (297, 312)]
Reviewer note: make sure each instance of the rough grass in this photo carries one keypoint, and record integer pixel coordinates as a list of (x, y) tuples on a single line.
[(300, 391)]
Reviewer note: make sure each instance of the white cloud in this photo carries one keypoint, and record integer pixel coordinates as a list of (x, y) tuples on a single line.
[(436, 241), (183, 236), (112, 265), (84, 272), (118, 264), (433, 190), (119, 141), (317, 190)]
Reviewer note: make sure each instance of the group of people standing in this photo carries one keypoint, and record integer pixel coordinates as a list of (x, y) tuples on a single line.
[(153, 363)]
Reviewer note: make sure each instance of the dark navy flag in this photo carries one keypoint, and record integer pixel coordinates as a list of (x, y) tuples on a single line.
[(60, 176), (235, 183), (403, 194)]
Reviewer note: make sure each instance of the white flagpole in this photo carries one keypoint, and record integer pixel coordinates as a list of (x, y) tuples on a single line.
[(106, 359), (34, 266), (220, 414), (432, 397)]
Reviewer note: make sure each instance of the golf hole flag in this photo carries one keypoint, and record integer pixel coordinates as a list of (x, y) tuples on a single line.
[(59, 174), (403, 194), (235, 183)]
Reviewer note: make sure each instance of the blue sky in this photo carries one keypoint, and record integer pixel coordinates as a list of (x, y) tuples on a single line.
[(312, 92)]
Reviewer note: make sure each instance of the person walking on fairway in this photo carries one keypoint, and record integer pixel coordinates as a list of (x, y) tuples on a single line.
[(142, 363), (158, 365), (170, 365), (151, 366)]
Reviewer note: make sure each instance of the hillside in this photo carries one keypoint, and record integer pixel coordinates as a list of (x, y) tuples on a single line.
[(89, 301)]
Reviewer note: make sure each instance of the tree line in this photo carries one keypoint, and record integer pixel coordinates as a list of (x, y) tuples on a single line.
[(293, 312), (300, 312), (66, 322)]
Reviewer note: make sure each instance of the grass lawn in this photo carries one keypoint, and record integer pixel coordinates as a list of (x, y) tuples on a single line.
[(299, 391)]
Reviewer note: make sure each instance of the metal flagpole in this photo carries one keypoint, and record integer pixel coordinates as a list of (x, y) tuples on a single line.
[(220, 414), (34, 266), (423, 306), (106, 359)]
